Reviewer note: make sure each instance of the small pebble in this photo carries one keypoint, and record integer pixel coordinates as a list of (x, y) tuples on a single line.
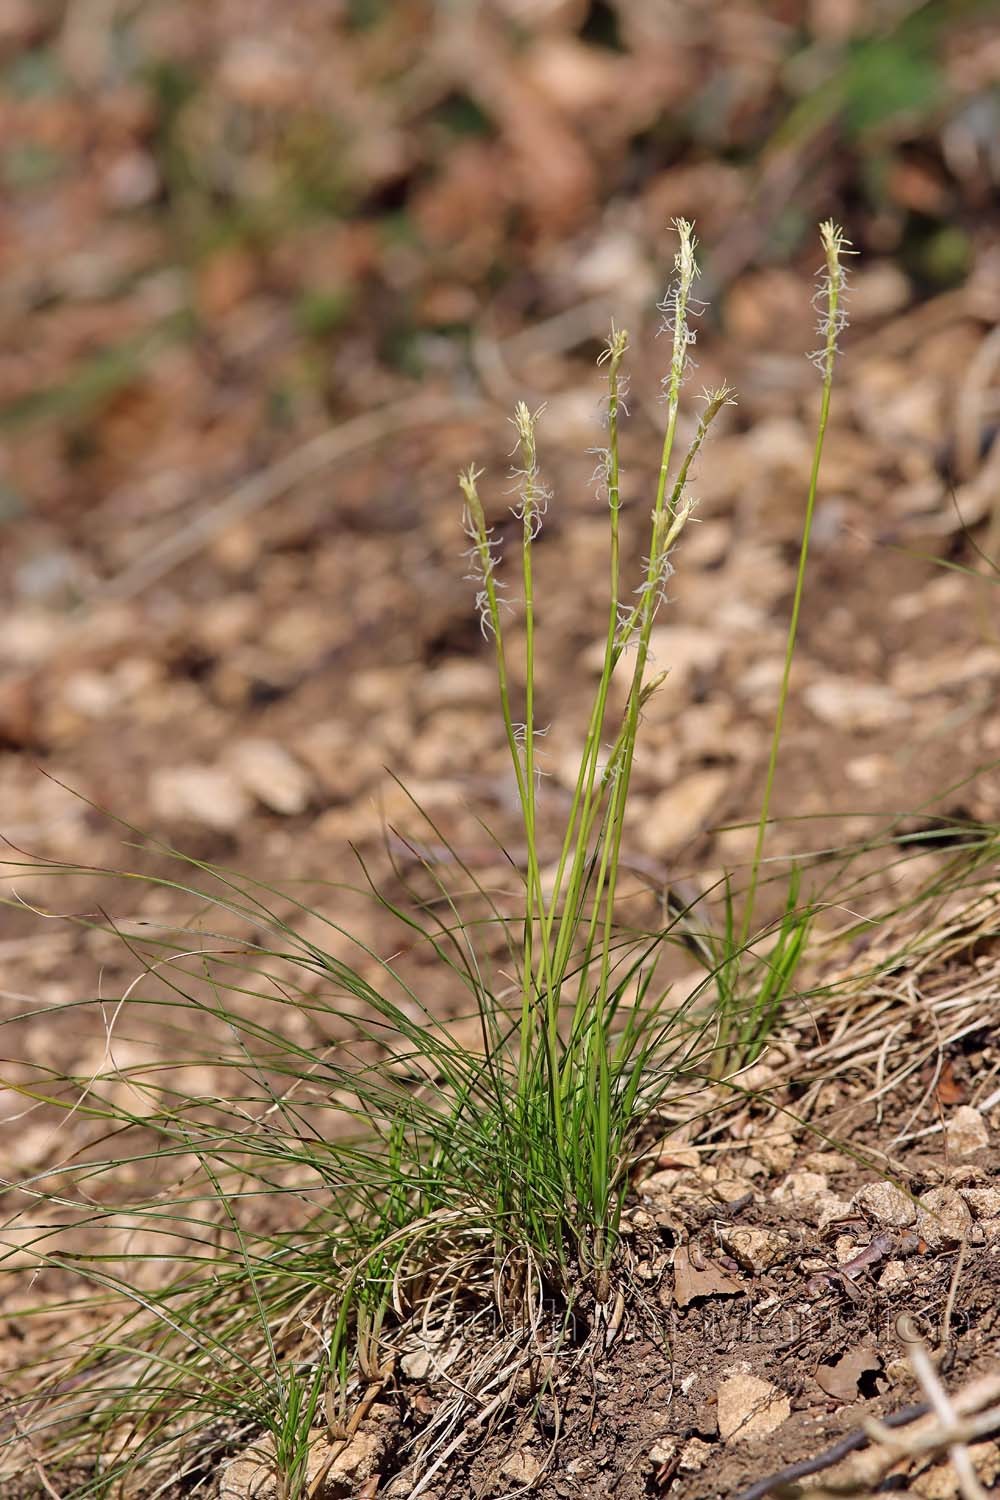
[(886, 1204), (944, 1218), (966, 1131)]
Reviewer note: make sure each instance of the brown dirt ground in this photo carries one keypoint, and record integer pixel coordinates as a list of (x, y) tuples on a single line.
[(644, 1420)]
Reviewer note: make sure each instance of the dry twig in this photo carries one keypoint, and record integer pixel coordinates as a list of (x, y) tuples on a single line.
[(858, 1462)]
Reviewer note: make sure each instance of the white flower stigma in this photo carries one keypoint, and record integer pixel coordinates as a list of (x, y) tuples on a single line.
[(830, 297), (533, 496), (678, 305)]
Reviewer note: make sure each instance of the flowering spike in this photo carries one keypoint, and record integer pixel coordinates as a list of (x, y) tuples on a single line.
[(830, 299), (614, 348), (484, 554), (678, 305), (533, 497), (476, 520)]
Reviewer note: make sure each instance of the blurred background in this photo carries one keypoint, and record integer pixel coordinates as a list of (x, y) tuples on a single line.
[(273, 270)]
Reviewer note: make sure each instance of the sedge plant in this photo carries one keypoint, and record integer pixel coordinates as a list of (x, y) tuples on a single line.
[(411, 1171), (579, 1087)]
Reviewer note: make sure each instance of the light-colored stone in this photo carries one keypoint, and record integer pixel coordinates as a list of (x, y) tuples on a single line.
[(270, 774), (729, 1189), (681, 650), (826, 1161), (939, 1482), (199, 794), (417, 1364), (684, 650), (869, 770), (673, 1156), (811, 1196), (886, 1204), (661, 1187), (844, 1249), (881, 288), (915, 678), (843, 1377), (662, 1452), (986, 1461), (984, 1202), (695, 1454), (586, 79), (832, 1210), (800, 1187), (93, 695), (758, 1078), (340, 763), (755, 1249), (334, 1470), (943, 1219), (749, 1407), (966, 1131), (250, 1476), (682, 812), (752, 1166), (776, 1150), (894, 1276), (965, 1174), (456, 683), (521, 1468), (851, 705), (352, 1465)]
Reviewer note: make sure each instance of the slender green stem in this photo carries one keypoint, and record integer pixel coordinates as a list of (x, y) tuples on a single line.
[(668, 524), (587, 778), (831, 296), (529, 511), (676, 307), (524, 774), (488, 602), (531, 507)]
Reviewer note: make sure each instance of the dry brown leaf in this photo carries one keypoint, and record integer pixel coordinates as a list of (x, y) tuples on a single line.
[(691, 1284), (948, 1089), (842, 1379)]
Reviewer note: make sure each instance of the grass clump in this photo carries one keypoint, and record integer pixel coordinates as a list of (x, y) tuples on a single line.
[(354, 1162), (580, 1091)]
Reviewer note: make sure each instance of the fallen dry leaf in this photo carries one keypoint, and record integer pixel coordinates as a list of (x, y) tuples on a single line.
[(949, 1090), (842, 1380), (691, 1284)]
